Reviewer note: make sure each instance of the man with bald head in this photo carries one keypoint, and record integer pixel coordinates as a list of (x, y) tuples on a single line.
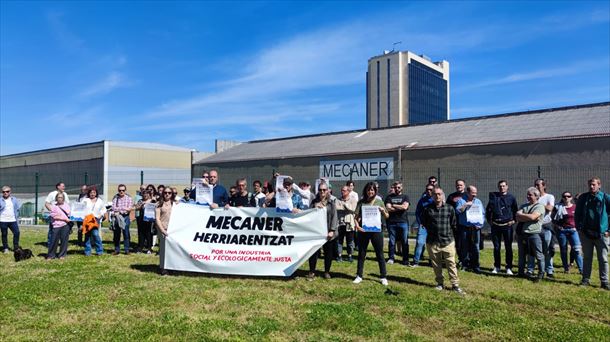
[(471, 217)]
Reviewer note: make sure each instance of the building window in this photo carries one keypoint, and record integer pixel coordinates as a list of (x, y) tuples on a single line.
[(427, 94), (378, 95), (389, 120)]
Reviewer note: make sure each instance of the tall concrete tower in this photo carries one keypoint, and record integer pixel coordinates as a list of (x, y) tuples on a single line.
[(404, 88)]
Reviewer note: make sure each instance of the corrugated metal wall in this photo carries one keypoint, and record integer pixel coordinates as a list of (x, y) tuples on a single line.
[(564, 164)]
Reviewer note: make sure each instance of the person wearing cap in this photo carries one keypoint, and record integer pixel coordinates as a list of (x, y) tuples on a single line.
[(186, 198)]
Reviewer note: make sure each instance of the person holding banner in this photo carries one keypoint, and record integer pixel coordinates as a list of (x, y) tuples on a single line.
[(471, 217), (368, 223), (163, 212), (145, 221), (96, 207), (220, 197), (321, 201)]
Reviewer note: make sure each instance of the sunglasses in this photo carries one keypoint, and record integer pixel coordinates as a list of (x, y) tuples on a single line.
[(121, 190), (567, 196), (6, 192), (167, 192), (323, 189)]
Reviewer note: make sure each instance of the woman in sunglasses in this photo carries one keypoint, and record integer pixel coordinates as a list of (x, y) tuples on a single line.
[(563, 219), (162, 214), (323, 200)]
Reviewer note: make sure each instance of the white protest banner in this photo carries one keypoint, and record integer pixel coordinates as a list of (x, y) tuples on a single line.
[(78, 211), (283, 201), (357, 169), (149, 212), (371, 218), (474, 214), (279, 182), (245, 241), (203, 192)]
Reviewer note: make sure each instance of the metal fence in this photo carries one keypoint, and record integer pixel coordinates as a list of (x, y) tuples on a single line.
[(31, 188)]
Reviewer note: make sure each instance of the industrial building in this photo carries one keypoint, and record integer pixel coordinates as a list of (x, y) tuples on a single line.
[(403, 88), (104, 164), (566, 146)]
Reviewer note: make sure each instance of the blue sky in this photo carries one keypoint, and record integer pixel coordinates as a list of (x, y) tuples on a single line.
[(186, 73)]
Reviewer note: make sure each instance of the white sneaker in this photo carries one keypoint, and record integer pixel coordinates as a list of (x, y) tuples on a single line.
[(390, 261), (509, 272), (495, 270), (439, 287), (384, 281), (5, 251), (358, 280)]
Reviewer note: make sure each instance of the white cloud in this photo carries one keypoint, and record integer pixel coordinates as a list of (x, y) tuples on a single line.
[(554, 72), (112, 81)]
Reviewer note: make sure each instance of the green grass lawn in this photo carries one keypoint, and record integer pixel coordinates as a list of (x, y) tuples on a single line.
[(122, 298)]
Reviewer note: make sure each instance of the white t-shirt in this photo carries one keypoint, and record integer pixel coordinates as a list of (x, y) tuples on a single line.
[(53, 194), (8, 214), (98, 209), (546, 200), (354, 195)]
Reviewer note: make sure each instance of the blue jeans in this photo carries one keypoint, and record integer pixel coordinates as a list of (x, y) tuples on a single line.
[(470, 247), (95, 233), (126, 237), (498, 235), (569, 235), (548, 249), (420, 245), (402, 230), (530, 245), (14, 227)]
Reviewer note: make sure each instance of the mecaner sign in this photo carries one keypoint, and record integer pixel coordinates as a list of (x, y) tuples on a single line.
[(359, 169)]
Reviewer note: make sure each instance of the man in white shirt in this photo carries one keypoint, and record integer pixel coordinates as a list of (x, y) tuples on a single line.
[(9, 215), (59, 188)]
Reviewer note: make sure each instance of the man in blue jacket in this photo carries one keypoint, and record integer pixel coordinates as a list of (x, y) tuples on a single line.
[(9, 216), (591, 218), (220, 197), (422, 234), (471, 217)]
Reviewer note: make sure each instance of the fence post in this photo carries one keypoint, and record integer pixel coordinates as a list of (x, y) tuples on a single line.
[(86, 178), (438, 176), (142, 177), (539, 171), (36, 200)]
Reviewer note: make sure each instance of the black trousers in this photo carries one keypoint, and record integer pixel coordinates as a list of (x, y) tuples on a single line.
[(345, 235), (363, 243), (144, 234), (328, 257)]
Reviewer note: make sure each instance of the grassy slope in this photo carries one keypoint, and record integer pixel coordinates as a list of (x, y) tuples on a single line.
[(122, 298)]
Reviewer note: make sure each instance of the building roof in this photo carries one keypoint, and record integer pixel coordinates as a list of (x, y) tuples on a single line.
[(144, 145), (592, 120)]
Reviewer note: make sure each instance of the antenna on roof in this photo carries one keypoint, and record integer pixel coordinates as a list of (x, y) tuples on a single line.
[(394, 45)]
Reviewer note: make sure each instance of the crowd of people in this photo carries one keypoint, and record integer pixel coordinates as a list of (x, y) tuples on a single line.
[(449, 227)]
